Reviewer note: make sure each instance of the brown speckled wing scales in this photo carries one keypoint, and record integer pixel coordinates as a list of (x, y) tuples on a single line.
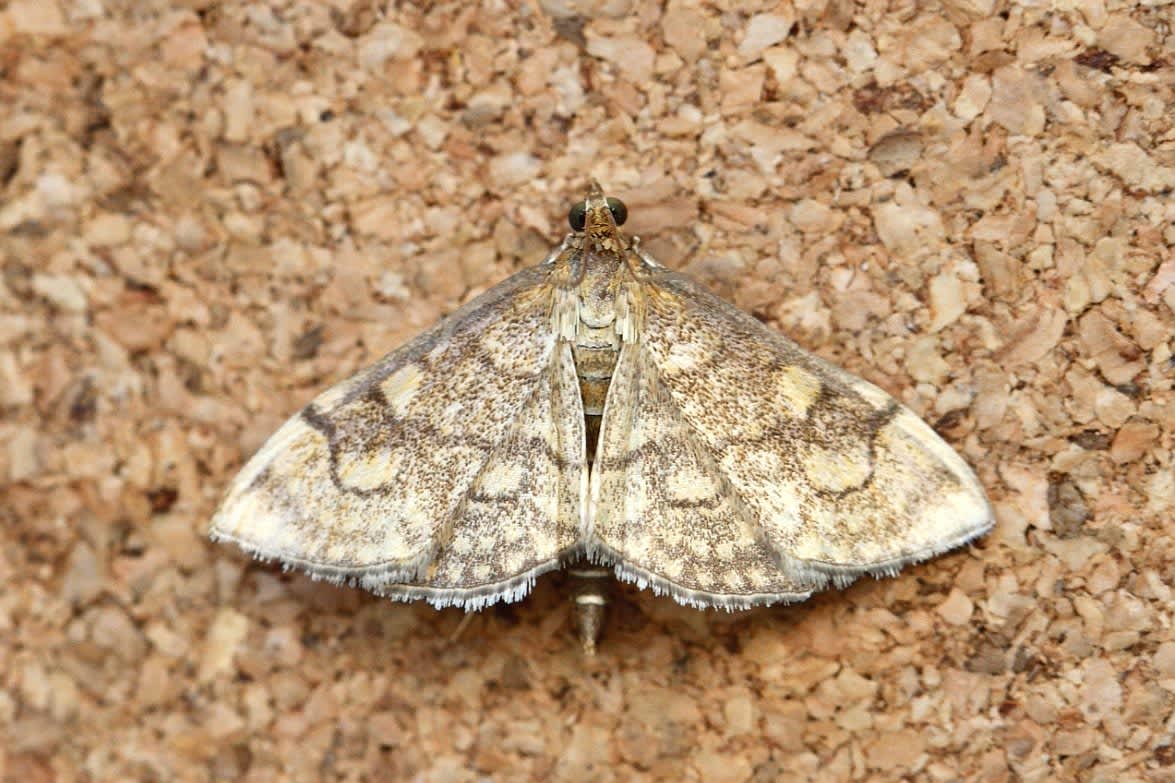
[(662, 511), (839, 477), (457, 460), (521, 515)]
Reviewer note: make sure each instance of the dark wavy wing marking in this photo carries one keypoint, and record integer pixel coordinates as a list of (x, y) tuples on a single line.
[(663, 513), (520, 517), (365, 483), (838, 475)]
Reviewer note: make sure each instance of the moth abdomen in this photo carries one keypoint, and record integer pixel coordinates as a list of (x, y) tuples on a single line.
[(594, 366)]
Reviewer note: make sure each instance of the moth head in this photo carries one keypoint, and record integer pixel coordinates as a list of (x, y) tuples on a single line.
[(599, 216)]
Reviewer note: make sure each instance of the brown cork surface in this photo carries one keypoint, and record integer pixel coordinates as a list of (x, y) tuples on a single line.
[(209, 212)]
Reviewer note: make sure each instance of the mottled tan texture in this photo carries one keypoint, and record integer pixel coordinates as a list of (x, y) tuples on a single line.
[(211, 212), (832, 472), (453, 469)]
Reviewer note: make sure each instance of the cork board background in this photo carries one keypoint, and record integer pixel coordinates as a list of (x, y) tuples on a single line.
[(208, 212)]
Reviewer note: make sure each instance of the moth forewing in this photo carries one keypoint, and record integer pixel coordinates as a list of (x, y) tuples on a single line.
[(374, 478), (662, 512), (841, 477), (520, 516)]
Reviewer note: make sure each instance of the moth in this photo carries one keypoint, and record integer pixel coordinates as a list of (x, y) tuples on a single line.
[(599, 409)]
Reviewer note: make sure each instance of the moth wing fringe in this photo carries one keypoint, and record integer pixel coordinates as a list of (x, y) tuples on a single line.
[(470, 599), (367, 576), (844, 575), (698, 599)]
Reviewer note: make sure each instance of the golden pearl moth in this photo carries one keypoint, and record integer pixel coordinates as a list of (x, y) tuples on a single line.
[(601, 412)]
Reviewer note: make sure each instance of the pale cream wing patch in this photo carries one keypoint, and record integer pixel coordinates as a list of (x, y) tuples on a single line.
[(663, 513), (367, 482), (840, 477), (520, 517)]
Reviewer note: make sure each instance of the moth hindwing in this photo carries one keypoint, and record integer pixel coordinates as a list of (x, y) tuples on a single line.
[(601, 407)]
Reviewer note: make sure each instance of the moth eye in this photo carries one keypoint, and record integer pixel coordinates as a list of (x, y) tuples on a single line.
[(577, 217), (618, 210)]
